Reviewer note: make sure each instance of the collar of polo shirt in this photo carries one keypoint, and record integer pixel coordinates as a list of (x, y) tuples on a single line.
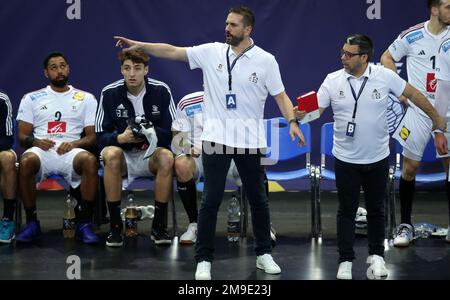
[(249, 53)]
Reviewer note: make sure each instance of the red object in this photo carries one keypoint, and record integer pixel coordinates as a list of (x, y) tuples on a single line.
[(56, 127), (308, 102), (431, 83)]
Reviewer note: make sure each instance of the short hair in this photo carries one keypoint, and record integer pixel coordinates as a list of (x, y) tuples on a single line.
[(364, 42), (246, 13), (137, 56), (433, 3), (53, 55)]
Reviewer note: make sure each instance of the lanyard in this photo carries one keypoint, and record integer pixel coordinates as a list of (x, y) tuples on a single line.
[(357, 97), (230, 68)]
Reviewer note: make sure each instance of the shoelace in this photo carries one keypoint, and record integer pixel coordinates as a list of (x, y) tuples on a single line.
[(403, 231)]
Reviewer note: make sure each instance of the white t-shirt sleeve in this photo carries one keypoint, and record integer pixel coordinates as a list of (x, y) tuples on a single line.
[(323, 95), (395, 83), (399, 48), (25, 112), (274, 83), (181, 122), (91, 108), (198, 55), (443, 64)]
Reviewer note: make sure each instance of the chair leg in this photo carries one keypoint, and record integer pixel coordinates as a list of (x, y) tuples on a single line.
[(318, 204)]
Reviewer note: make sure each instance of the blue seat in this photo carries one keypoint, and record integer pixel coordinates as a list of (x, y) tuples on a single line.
[(282, 149)]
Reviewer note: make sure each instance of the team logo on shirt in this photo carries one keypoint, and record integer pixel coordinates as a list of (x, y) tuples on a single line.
[(431, 83), (253, 78), (155, 110), (219, 68), (404, 133), (376, 95), (121, 112), (56, 127), (446, 46), (79, 96), (341, 94)]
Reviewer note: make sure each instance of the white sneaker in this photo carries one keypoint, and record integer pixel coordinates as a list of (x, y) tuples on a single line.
[(265, 262), (345, 270), (203, 271), (447, 238), (190, 236), (377, 268), (404, 236)]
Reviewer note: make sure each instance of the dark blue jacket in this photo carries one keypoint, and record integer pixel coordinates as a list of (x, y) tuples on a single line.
[(6, 123), (115, 109)]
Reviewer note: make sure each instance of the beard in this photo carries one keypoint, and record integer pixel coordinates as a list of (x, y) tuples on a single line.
[(61, 82), (444, 22), (233, 40)]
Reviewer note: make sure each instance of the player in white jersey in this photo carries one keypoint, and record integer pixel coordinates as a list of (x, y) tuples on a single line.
[(51, 122), (186, 144), (8, 172), (419, 45), (442, 102)]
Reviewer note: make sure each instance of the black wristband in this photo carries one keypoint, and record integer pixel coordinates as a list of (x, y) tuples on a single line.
[(293, 121), (28, 142)]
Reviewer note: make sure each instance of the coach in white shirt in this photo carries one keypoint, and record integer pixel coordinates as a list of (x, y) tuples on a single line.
[(238, 75), (358, 95)]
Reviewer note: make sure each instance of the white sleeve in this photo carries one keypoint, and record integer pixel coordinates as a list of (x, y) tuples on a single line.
[(399, 48), (198, 55), (25, 112), (91, 108), (274, 84), (443, 63), (395, 83), (323, 95), (181, 122)]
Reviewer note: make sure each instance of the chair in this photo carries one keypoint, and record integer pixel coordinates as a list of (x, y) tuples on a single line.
[(395, 173), (282, 149)]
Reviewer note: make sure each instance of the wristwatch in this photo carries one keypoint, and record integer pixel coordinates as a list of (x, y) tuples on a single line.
[(293, 121)]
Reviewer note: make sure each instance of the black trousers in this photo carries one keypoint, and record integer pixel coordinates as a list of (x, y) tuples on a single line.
[(251, 171), (349, 180)]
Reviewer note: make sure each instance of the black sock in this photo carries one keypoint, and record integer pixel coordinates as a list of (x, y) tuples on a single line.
[(160, 218), (114, 215), (9, 207), (31, 214), (406, 199), (188, 195), (85, 211), (447, 188)]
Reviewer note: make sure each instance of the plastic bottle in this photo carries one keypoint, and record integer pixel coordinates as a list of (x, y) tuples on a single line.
[(69, 218), (234, 220), (131, 217)]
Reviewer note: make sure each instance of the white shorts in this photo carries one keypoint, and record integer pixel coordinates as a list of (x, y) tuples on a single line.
[(232, 176), (413, 133), (54, 164), (137, 166)]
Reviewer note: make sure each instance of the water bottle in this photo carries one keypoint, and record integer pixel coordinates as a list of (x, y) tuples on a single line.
[(143, 212), (69, 218), (131, 217), (234, 220)]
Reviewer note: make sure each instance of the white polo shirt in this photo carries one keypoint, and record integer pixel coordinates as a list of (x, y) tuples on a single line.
[(60, 117), (443, 62), (420, 47), (370, 142), (255, 75)]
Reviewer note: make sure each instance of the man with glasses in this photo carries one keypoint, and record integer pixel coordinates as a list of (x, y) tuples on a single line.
[(420, 45), (358, 95)]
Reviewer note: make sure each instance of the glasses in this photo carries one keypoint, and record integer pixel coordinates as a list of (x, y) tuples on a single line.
[(349, 55)]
